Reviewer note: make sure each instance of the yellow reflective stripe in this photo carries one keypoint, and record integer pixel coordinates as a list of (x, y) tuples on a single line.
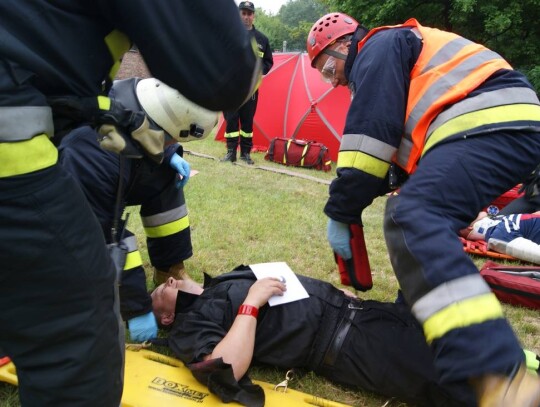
[(304, 151), (167, 229), (245, 134), (118, 44), (261, 54), (462, 314), (104, 103), (23, 157), (133, 259), (494, 115), (363, 162), (232, 134)]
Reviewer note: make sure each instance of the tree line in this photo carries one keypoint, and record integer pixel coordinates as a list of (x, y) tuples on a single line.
[(508, 27)]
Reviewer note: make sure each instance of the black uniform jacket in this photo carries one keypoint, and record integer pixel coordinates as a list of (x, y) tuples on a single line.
[(64, 47)]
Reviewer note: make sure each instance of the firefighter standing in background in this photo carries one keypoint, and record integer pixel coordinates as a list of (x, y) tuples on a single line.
[(57, 280), (240, 122), (159, 190), (455, 116)]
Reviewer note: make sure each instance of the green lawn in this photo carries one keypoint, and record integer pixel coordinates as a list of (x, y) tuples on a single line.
[(244, 215)]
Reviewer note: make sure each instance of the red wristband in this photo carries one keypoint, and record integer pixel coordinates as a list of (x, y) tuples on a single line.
[(248, 310)]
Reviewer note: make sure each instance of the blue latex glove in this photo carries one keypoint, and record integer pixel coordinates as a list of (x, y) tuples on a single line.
[(181, 166), (143, 327), (339, 237)]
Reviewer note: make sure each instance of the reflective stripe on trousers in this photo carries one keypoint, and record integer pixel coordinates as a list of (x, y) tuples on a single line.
[(454, 181)]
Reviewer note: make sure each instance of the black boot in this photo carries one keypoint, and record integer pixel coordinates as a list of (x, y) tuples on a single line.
[(230, 156), (244, 156)]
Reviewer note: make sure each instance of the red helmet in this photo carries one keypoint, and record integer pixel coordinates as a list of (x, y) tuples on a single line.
[(326, 30)]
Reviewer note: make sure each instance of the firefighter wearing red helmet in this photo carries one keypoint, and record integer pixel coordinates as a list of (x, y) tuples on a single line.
[(448, 117)]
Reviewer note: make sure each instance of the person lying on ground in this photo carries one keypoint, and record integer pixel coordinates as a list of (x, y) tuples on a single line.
[(223, 328), (517, 235)]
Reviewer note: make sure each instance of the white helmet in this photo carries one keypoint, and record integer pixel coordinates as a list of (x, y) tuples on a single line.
[(178, 116)]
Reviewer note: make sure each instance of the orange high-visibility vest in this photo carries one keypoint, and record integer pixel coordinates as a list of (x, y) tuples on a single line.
[(448, 69)]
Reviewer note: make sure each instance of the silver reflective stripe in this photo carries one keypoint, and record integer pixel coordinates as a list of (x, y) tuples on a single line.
[(368, 145), (446, 53), (131, 243), (449, 293), (506, 96), (440, 87), (165, 217), (404, 151), (24, 122)]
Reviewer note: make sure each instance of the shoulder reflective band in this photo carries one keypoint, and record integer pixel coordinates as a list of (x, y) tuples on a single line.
[(248, 310)]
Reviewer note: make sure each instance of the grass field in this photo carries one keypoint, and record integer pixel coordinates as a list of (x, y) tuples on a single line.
[(246, 215)]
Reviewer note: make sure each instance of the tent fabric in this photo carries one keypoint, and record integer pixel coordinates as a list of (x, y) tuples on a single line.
[(295, 103)]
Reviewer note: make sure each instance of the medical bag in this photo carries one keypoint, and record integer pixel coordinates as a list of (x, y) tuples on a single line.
[(299, 153), (516, 285)]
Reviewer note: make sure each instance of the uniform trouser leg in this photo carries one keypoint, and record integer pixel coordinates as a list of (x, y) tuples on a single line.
[(247, 113), (462, 320), (56, 294), (232, 130)]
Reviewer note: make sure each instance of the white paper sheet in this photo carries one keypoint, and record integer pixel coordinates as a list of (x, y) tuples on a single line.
[(295, 289)]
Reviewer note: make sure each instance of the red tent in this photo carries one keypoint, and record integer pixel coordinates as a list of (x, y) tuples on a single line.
[(294, 102)]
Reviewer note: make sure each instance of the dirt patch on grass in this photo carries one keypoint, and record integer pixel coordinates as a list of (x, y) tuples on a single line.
[(132, 66)]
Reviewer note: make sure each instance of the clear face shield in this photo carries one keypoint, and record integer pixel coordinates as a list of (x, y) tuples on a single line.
[(328, 71)]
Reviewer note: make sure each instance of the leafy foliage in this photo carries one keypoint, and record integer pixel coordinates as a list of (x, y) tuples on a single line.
[(509, 27)]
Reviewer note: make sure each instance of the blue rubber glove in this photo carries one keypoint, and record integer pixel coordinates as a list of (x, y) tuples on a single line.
[(339, 237), (143, 327), (181, 166)]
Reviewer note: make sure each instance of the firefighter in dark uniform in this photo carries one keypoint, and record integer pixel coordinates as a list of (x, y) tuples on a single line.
[(157, 189), (454, 116), (222, 330), (57, 279), (240, 122)]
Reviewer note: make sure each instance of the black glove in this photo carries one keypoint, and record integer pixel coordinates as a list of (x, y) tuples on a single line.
[(121, 130)]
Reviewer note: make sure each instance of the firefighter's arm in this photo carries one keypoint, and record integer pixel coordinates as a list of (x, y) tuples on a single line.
[(237, 347), (203, 51)]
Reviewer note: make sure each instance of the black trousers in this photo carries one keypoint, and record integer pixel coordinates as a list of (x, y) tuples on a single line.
[(242, 119), (56, 294), (384, 351)]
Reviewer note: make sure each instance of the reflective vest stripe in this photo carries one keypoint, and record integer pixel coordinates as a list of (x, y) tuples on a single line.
[(445, 53), (437, 96), (164, 217), (448, 293), (167, 229), (462, 314), (27, 156), (484, 100), (517, 116), (18, 123)]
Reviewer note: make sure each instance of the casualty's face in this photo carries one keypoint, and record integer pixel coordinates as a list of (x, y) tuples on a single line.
[(247, 17), (164, 296)]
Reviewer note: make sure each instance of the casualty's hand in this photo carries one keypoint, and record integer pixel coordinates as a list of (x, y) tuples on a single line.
[(339, 237), (183, 169), (143, 327), (263, 289)]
